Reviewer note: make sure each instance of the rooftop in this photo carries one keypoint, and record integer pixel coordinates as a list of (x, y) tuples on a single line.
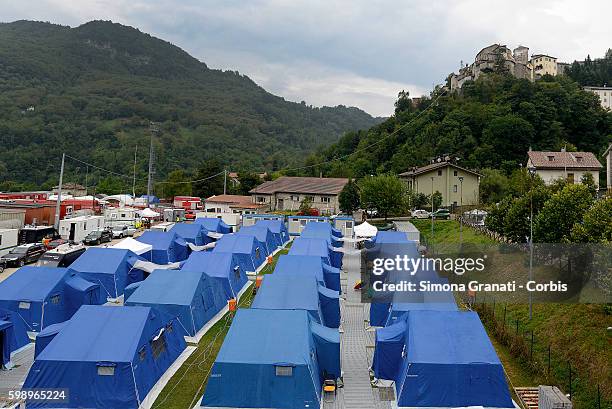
[(312, 185), (434, 166), (239, 201), (556, 160)]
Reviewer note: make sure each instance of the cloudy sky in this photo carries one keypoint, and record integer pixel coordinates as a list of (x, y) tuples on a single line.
[(355, 52)]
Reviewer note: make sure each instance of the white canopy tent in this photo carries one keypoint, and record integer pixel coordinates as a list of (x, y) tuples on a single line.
[(365, 229), (148, 213), (134, 245)]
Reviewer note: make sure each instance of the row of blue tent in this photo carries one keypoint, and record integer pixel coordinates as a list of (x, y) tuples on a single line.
[(278, 353), (436, 355), (113, 356)]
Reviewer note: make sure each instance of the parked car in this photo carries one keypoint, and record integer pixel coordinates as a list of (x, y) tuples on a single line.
[(441, 214), (120, 232), (420, 214), (190, 215), (61, 256), (2, 265), (97, 237), (24, 254), (55, 243)]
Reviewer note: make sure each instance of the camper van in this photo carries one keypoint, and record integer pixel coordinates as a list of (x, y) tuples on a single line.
[(121, 216), (8, 240), (77, 228)]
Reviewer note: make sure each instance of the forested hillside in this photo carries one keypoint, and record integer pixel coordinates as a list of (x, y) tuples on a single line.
[(490, 124), (92, 92), (597, 72)]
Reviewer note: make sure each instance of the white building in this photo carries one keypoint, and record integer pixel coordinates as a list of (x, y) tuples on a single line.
[(604, 94), (608, 156), (551, 166)]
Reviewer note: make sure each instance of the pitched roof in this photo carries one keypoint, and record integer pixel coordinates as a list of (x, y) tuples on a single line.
[(312, 185), (434, 166), (560, 160), (237, 201)]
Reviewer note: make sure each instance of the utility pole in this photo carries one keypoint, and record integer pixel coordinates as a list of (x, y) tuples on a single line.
[(532, 174), (461, 211), (432, 210), (59, 195), (224, 181), (150, 178), (86, 177), (134, 178)]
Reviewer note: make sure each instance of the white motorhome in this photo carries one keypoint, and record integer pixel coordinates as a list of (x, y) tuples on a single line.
[(121, 216), (76, 228), (164, 226), (8, 240)]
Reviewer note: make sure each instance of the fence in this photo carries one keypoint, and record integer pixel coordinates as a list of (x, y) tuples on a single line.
[(538, 356)]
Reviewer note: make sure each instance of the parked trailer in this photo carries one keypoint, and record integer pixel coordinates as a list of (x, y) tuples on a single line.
[(251, 219), (36, 234), (231, 219), (174, 215), (9, 239), (295, 224), (76, 228)]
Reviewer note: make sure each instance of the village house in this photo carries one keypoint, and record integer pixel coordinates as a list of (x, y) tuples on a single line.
[(608, 155), (457, 185), (71, 189), (604, 94), (231, 204), (551, 166), (286, 193)]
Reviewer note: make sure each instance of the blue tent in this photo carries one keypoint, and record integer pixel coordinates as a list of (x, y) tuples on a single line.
[(224, 267), (310, 265), (261, 233), (13, 335), (301, 292), (112, 268), (273, 359), (42, 296), (152, 199), (278, 229), (213, 224), (168, 247), (46, 335), (316, 247), (318, 230), (192, 233), (107, 357), (441, 359), (192, 297), (249, 251)]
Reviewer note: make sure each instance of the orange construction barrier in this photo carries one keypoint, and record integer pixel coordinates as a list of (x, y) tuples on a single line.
[(258, 281), (269, 259), (232, 304)]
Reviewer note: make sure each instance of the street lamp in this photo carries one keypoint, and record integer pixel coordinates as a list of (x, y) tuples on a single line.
[(532, 172), (461, 210)]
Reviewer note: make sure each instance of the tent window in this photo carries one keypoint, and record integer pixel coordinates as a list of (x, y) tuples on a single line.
[(257, 253), (284, 370), (142, 354), (170, 327), (158, 346), (55, 299), (106, 370), (237, 272), (24, 305)]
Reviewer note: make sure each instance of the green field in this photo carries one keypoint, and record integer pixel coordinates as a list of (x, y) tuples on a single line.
[(448, 231)]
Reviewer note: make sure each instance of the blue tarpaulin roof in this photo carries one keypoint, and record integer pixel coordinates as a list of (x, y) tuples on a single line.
[(118, 342), (213, 224), (249, 251), (325, 274), (224, 267), (448, 361), (192, 233), (316, 247), (318, 230), (109, 267), (278, 229), (30, 290), (168, 247), (262, 346), (261, 233), (192, 297)]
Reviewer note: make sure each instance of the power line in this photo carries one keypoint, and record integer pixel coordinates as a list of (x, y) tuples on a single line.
[(98, 167), (193, 181)]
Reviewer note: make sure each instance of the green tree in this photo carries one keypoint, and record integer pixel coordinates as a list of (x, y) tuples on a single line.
[(384, 193), (596, 226), (588, 180), (210, 179), (495, 220), (248, 181), (436, 199), (493, 186), (305, 205), (348, 198), (175, 185), (559, 214), (516, 225), (110, 185), (417, 200)]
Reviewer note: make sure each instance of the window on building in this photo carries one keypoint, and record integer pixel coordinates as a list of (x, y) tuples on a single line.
[(439, 173), (551, 158), (325, 199), (348, 225), (454, 188), (578, 158), (570, 178), (455, 173), (284, 370)]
